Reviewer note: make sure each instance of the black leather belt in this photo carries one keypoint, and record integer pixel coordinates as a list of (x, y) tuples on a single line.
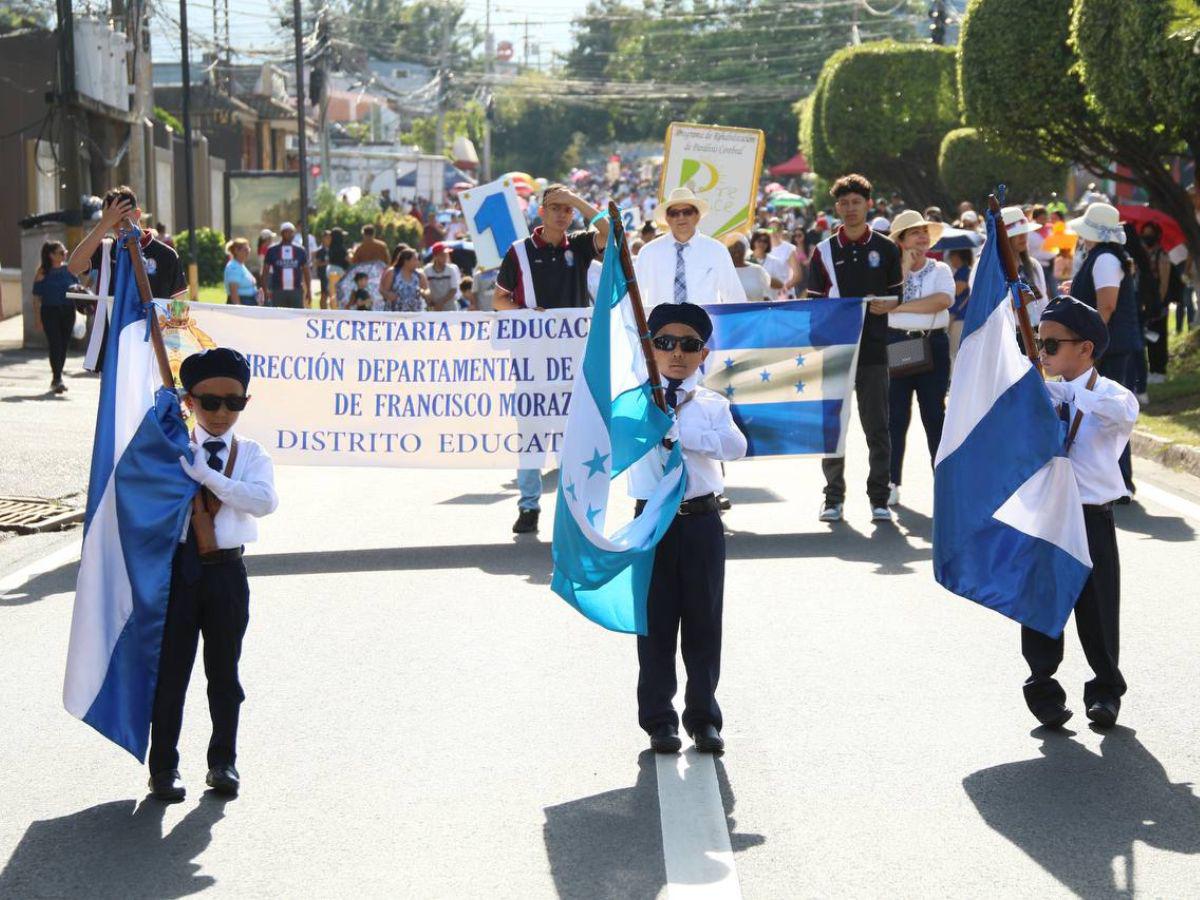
[(693, 507), (221, 556)]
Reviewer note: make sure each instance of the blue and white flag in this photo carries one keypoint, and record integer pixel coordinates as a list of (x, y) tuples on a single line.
[(788, 371), (612, 424), (137, 504), (1008, 527)]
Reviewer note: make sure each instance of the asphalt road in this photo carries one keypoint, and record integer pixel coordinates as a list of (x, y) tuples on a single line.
[(426, 719)]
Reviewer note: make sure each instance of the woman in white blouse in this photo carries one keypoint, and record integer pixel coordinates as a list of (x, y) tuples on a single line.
[(922, 314), (755, 279)]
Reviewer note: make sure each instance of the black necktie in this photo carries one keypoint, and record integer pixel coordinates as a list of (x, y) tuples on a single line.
[(673, 391), (214, 448)]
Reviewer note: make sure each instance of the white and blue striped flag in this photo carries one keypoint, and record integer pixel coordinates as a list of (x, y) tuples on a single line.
[(1008, 527), (788, 371), (137, 503), (612, 424)]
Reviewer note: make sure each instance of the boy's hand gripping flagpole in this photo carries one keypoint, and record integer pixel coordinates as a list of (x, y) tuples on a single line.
[(635, 303), (204, 502), (1021, 298)]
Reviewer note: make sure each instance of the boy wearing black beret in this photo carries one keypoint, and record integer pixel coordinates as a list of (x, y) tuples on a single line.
[(209, 593), (1098, 416), (687, 585)]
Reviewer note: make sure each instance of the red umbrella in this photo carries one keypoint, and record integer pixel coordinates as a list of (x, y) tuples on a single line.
[(1172, 234), (462, 186)]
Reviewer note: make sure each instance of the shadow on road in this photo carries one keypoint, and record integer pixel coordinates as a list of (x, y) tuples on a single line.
[(114, 850), (886, 547), (1077, 815), (56, 581), (1135, 518), (610, 845)]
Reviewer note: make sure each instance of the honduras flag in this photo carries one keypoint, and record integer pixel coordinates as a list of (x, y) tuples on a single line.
[(612, 424), (1007, 520), (137, 503), (788, 370)]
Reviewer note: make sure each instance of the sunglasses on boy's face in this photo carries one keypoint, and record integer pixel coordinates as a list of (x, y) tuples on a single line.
[(212, 402), (668, 342), (676, 212), (1051, 346)]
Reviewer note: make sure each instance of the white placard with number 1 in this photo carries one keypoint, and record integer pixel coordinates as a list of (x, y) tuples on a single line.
[(494, 218)]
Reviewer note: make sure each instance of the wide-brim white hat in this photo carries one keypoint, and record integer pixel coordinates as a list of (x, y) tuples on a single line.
[(910, 218), (1100, 223), (1016, 223), (681, 196)]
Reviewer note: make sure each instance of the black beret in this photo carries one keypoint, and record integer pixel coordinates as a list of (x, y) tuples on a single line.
[(219, 362), (1081, 319), (688, 314)]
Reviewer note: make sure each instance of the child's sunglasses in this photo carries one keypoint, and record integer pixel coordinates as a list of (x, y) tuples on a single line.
[(212, 402), (668, 342), (1050, 346)]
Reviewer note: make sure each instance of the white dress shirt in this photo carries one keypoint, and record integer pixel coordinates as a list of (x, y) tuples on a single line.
[(1109, 412), (247, 494), (707, 267), (707, 433)]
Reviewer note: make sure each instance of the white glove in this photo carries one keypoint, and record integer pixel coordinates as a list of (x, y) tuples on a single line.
[(198, 469), (1061, 391)]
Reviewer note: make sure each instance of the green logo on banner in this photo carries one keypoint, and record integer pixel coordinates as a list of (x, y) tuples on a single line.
[(691, 168)]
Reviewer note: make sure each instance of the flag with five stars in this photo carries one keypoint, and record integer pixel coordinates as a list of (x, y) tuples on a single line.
[(788, 371), (604, 572)]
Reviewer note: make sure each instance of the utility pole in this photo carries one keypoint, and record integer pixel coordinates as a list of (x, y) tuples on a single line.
[(489, 53), (443, 83), (189, 174), (855, 37), (301, 129), (72, 189), (525, 54)]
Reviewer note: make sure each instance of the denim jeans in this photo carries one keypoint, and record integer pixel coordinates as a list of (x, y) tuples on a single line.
[(529, 483)]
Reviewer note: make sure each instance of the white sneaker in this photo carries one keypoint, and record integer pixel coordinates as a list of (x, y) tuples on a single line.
[(894, 495), (1143, 399), (1156, 378), (881, 514), (831, 512)]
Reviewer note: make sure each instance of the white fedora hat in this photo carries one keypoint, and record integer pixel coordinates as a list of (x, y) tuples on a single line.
[(1101, 223), (1016, 222), (681, 196)]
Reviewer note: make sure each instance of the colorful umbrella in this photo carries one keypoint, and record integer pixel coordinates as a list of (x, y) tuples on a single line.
[(1059, 239), (1172, 234), (784, 198), (958, 239), (773, 188)]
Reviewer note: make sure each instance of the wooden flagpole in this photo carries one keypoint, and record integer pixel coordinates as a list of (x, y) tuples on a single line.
[(635, 301), (1008, 258), (204, 500)]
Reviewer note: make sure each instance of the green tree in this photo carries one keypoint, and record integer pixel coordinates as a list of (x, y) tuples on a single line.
[(1151, 93), (971, 167), (466, 121), (210, 254), (17, 14), (882, 109)]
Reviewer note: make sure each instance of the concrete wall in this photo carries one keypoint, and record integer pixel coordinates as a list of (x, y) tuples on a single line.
[(31, 254)]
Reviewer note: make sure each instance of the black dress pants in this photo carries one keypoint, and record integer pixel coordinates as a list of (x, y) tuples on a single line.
[(871, 392), (687, 590), (213, 600), (1097, 618), (57, 321)]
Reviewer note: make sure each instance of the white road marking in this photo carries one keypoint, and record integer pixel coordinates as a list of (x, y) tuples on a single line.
[(696, 849), (1169, 500), (65, 554)]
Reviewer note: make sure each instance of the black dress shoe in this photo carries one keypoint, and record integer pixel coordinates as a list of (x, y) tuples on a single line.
[(527, 522), (708, 740), (223, 780), (167, 786), (1054, 716), (1103, 714), (665, 739)]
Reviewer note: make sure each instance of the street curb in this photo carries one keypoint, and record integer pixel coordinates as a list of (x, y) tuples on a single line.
[(1181, 457)]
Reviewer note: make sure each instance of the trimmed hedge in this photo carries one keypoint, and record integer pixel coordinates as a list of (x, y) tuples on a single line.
[(881, 109), (392, 227), (971, 167), (210, 254)]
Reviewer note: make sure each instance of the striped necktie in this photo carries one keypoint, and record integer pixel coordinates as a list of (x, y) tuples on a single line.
[(680, 276)]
